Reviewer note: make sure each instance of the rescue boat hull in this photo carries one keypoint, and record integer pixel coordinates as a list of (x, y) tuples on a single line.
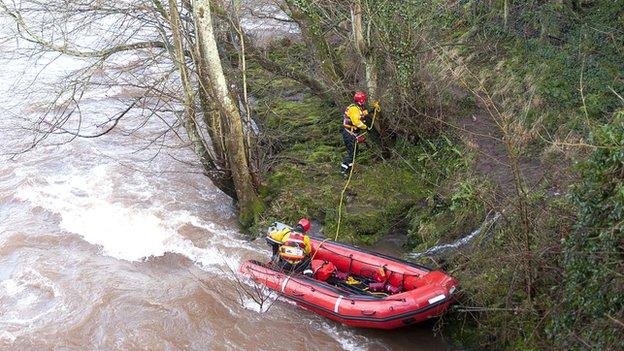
[(432, 294)]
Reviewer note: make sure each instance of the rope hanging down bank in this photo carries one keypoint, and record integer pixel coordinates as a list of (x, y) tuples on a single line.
[(345, 189), (349, 178)]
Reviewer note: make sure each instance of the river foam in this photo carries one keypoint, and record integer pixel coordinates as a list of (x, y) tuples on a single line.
[(127, 229)]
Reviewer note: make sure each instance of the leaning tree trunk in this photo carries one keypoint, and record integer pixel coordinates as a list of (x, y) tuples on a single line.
[(210, 111), (208, 160), (248, 200)]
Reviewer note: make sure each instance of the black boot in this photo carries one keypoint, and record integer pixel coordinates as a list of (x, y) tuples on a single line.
[(345, 169)]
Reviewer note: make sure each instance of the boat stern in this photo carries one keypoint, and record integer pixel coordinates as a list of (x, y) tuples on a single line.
[(443, 290)]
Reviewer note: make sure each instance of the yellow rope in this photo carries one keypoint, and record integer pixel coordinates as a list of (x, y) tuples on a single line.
[(343, 192), (349, 180)]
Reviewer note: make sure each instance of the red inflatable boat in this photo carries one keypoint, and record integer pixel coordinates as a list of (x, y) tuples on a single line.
[(366, 289)]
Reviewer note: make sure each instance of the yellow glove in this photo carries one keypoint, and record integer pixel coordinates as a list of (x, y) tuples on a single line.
[(376, 106)]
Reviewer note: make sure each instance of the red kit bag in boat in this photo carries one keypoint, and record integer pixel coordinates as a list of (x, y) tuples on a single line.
[(323, 269), (413, 282), (376, 287), (393, 289), (380, 275)]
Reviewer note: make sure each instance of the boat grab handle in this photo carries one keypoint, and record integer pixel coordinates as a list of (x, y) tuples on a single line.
[(368, 313), (297, 294)]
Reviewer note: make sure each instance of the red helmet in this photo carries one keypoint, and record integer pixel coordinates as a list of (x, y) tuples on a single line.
[(305, 224), (359, 97)]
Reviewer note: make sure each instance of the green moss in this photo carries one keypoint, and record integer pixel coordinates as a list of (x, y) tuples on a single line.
[(379, 198), (248, 218), (323, 153), (467, 104)]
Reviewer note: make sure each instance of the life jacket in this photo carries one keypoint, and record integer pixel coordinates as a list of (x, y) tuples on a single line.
[(346, 122), (293, 249)]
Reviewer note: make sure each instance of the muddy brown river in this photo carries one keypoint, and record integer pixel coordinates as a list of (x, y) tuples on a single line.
[(115, 244)]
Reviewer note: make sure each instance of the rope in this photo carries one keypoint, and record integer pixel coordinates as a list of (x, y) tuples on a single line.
[(349, 180), (344, 190)]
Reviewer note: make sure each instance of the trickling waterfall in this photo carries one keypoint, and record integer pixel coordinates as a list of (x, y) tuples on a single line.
[(484, 227)]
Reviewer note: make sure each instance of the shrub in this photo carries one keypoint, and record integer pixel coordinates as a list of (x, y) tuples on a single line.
[(592, 306)]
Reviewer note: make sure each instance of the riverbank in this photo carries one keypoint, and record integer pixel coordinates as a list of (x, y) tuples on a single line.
[(422, 179), (423, 194), (496, 149)]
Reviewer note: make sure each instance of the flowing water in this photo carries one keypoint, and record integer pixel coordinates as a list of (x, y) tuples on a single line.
[(106, 247)]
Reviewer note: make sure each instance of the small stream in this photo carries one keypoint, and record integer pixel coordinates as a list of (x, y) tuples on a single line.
[(462, 242)]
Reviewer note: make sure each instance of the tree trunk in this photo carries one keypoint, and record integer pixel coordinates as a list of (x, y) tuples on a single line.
[(368, 60), (363, 48), (242, 57), (210, 111), (248, 200), (505, 13), (188, 119)]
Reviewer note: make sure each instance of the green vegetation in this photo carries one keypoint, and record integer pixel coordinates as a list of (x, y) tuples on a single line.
[(385, 194), (593, 262), (488, 107), (306, 179)]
